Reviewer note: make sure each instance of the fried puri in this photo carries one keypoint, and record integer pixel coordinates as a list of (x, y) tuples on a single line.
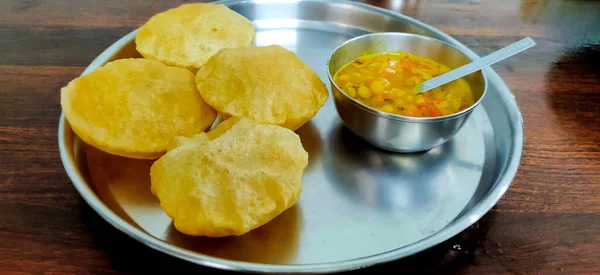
[(187, 36), (135, 107), (231, 180), (268, 84)]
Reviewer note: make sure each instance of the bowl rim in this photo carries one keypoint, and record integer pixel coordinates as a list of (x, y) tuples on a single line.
[(401, 117)]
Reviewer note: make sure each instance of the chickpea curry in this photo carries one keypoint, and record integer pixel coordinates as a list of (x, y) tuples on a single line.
[(385, 81)]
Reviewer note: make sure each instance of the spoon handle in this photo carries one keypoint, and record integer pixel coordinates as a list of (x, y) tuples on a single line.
[(476, 65)]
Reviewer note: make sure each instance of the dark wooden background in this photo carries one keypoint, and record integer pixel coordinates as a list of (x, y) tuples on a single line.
[(547, 223)]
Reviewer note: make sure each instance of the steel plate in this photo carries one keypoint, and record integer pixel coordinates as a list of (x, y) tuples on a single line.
[(359, 206)]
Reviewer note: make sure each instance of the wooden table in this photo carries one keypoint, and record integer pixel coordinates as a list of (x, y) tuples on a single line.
[(547, 223)]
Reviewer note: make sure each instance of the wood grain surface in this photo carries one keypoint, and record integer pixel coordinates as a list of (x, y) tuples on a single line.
[(547, 223)]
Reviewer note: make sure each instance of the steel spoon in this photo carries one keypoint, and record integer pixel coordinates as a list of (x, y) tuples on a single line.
[(476, 65)]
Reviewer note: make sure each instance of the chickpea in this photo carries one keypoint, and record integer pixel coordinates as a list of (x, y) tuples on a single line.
[(344, 78), (398, 92), (412, 81), (387, 108), (376, 87), (399, 102), (364, 92), (419, 99), (351, 91)]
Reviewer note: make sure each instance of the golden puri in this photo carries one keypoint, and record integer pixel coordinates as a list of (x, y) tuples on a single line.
[(135, 107), (267, 84), (231, 180), (187, 36)]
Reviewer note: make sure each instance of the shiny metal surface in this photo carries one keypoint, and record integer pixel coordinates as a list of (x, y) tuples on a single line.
[(359, 205), (476, 65), (394, 132)]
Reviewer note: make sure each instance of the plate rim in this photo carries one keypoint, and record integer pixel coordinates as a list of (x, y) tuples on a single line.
[(467, 219)]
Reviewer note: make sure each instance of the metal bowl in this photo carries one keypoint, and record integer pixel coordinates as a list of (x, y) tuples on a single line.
[(395, 132)]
